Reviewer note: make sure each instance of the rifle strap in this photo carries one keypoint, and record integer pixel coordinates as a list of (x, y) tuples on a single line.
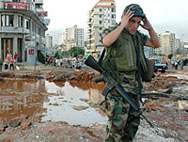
[(137, 49), (101, 56)]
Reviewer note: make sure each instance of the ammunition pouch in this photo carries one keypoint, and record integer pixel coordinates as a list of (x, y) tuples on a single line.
[(147, 75)]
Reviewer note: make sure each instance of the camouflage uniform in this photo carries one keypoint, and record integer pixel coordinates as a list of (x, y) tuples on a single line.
[(123, 119)]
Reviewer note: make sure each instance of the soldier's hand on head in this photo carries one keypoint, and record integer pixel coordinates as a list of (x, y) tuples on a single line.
[(126, 17), (146, 24)]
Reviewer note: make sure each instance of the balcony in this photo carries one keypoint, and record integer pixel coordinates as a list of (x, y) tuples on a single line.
[(14, 30)]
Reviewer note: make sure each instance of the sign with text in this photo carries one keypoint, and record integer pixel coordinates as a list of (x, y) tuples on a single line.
[(31, 51), (43, 13), (16, 5)]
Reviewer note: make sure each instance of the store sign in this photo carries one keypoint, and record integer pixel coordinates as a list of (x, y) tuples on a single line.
[(31, 51), (16, 5), (43, 13)]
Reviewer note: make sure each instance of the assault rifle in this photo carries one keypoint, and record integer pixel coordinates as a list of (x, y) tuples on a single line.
[(111, 83)]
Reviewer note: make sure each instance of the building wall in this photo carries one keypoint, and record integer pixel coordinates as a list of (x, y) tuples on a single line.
[(74, 36), (101, 16), (168, 42), (49, 41), (25, 31)]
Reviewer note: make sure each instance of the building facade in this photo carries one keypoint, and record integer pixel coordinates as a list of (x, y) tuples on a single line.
[(72, 37), (101, 16), (49, 50), (22, 30), (168, 41)]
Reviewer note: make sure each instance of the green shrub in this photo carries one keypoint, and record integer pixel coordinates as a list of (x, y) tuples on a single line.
[(41, 58)]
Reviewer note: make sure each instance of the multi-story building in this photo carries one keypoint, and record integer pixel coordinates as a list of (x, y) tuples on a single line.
[(101, 16), (73, 36), (61, 38), (157, 51), (22, 29), (168, 42), (177, 44), (49, 50)]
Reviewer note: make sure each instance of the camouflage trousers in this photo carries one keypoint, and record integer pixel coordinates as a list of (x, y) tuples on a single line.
[(123, 119)]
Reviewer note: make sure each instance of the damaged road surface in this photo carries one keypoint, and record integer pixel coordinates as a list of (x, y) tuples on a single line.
[(64, 106)]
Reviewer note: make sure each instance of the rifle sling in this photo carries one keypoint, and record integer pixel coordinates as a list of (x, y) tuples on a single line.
[(137, 49)]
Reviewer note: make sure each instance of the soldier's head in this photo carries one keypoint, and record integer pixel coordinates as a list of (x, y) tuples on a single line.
[(136, 9), (134, 22)]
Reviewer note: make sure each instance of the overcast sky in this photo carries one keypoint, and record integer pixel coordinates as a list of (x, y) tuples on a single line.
[(164, 15)]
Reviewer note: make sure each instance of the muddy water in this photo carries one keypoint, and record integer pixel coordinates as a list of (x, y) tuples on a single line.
[(53, 101)]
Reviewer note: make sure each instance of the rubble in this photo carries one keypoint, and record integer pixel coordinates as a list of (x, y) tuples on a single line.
[(80, 107), (168, 115)]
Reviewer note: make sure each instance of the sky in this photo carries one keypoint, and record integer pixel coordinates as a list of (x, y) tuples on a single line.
[(164, 15)]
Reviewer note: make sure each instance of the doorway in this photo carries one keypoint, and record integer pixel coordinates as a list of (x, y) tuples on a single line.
[(19, 49), (6, 47)]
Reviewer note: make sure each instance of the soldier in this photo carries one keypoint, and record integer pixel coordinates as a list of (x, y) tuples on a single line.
[(123, 41)]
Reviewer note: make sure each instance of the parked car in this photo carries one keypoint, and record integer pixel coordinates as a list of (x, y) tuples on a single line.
[(159, 65)]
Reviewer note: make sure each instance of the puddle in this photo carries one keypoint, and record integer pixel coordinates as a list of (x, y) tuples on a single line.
[(31, 97), (62, 110)]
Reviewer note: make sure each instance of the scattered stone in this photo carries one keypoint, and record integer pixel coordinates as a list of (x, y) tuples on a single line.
[(54, 104), (80, 107), (26, 123), (183, 105), (2, 128), (15, 122), (64, 101), (84, 100)]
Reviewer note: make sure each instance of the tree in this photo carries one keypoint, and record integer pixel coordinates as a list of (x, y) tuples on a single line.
[(57, 55), (65, 54), (76, 51), (41, 57)]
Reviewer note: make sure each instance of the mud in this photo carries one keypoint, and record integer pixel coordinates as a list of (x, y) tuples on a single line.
[(171, 123)]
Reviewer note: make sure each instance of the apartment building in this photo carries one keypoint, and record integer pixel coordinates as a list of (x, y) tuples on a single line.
[(49, 50), (72, 37), (157, 51), (168, 43), (22, 29), (101, 16)]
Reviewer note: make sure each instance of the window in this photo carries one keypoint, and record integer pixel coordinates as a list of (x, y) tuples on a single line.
[(100, 22), (27, 23), (38, 5), (33, 27), (39, 32), (20, 21), (7, 20), (113, 16)]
